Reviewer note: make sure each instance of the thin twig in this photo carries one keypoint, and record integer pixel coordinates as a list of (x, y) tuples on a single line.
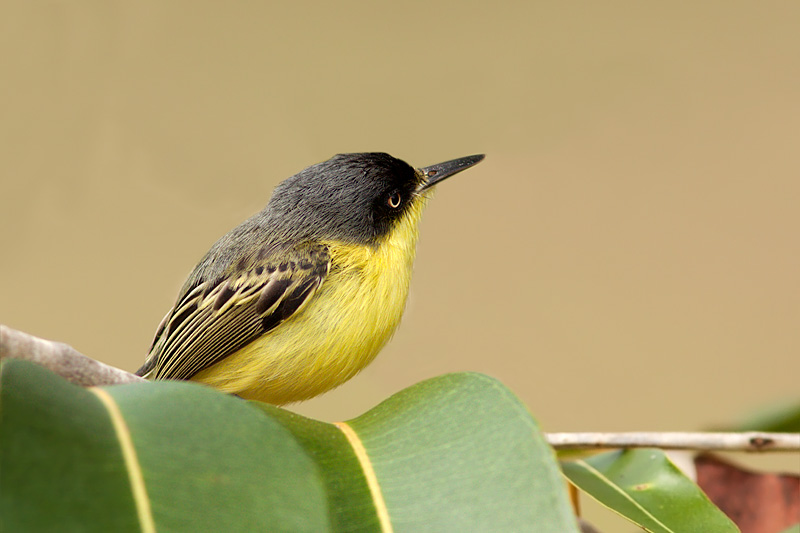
[(81, 370), (751, 441), (61, 358)]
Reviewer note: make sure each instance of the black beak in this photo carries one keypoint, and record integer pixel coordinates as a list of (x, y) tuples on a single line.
[(436, 173)]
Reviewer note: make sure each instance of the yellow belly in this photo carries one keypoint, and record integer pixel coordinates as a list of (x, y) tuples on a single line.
[(341, 330)]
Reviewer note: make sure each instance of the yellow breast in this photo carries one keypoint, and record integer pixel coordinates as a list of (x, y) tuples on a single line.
[(341, 330)]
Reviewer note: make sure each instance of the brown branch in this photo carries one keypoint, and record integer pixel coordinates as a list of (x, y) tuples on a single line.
[(751, 441), (61, 358)]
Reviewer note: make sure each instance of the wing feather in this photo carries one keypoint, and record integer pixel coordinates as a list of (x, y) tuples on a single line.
[(215, 318)]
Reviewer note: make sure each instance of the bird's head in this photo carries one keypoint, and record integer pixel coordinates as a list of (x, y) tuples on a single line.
[(356, 198)]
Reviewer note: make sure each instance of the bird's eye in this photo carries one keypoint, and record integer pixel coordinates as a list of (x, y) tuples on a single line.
[(394, 200)]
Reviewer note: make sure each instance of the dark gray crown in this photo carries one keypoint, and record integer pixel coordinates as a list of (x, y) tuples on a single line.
[(344, 198)]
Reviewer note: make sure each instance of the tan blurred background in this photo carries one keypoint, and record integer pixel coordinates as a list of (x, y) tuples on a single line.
[(626, 258)]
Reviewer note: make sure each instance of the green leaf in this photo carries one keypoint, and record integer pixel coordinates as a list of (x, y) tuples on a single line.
[(351, 504), (782, 418), (453, 453), (645, 487), (57, 448), (208, 461), (472, 425)]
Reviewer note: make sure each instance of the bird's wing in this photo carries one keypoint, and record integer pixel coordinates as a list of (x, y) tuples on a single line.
[(217, 317)]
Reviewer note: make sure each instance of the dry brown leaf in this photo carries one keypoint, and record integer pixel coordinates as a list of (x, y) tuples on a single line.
[(756, 502)]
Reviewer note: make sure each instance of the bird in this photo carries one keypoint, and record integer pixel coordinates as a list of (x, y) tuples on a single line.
[(303, 295)]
